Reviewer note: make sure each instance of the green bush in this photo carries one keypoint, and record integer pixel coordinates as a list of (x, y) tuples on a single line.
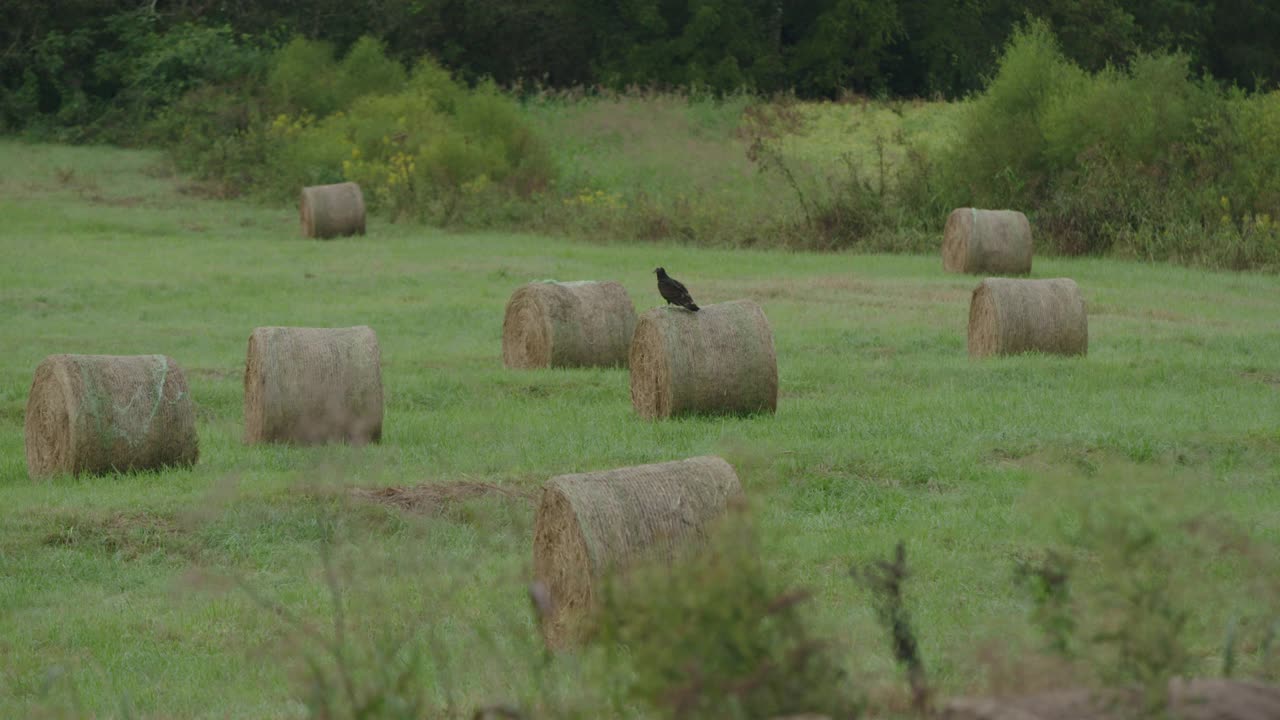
[(714, 637), (1136, 159), (304, 77), (421, 146), (366, 70), (999, 157)]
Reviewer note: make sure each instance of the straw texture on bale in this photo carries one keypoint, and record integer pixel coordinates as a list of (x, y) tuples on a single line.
[(592, 523), (571, 324), (717, 360), (313, 385), (996, 242), (1007, 317), (332, 210), (102, 413)]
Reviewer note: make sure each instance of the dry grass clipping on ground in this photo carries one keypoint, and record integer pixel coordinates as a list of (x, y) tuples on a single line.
[(433, 497), (1196, 699), (103, 413)]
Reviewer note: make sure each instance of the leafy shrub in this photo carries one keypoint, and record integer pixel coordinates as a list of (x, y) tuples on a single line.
[(366, 70), (1251, 135), (714, 637), (1134, 159), (1141, 115), (999, 156), (1136, 569), (214, 132), (304, 76), (185, 57), (421, 146)]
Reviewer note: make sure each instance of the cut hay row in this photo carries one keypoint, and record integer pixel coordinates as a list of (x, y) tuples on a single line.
[(1188, 699), (569, 324), (313, 385), (591, 523), (331, 210), (994, 242), (103, 413), (719, 360), (1007, 317)]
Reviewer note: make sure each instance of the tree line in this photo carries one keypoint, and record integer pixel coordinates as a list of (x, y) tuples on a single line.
[(62, 56)]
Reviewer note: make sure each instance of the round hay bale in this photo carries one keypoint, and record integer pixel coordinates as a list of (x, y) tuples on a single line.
[(717, 360), (997, 242), (591, 523), (332, 210), (570, 324), (1007, 317), (104, 413), (313, 385)]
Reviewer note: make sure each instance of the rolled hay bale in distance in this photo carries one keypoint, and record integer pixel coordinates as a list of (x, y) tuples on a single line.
[(996, 242), (569, 324), (717, 360), (101, 413), (311, 386), (332, 210), (592, 523), (1008, 316)]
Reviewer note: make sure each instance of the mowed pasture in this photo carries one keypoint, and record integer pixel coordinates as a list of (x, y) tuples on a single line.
[(201, 592)]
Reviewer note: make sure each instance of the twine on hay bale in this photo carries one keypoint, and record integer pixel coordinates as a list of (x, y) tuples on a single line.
[(997, 242), (1194, 699), (569, 324), (1007, 317), (332, 210), (592, 523), (717, 360), (313, 385), (104, 413)]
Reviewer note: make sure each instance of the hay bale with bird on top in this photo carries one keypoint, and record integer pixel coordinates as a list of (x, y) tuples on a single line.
[(1007, 317), (90, 414), (332, 210), (719, 360), (568, 324), (590, 524), (995, 242), (310, 386)]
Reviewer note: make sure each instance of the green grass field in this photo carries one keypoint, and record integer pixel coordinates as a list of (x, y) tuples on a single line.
[(135, 595)]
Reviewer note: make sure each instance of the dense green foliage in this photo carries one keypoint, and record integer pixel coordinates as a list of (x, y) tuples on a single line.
[(66, 62), (1147, 159), (420, 144)]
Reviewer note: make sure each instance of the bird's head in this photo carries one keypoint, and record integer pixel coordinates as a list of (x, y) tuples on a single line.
[(660, 271)]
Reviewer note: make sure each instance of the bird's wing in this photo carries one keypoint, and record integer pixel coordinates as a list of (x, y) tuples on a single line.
[(680, 296)]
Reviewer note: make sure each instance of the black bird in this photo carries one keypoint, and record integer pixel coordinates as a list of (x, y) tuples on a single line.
[(673, 291)]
